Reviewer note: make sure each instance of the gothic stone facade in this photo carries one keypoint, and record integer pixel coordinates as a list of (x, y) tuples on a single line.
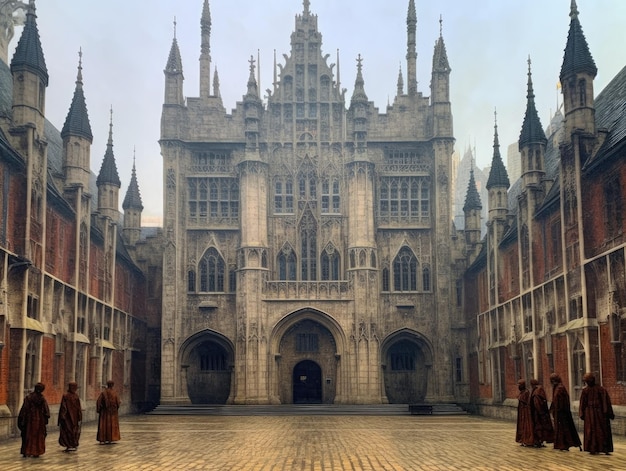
[(309, 255)]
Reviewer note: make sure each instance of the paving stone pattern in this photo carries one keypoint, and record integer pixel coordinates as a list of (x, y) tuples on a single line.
[(311, 443)]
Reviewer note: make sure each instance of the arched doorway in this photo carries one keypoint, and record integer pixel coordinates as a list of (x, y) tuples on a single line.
[(208, 373), (406, 361), (307, 383), (306, 362)]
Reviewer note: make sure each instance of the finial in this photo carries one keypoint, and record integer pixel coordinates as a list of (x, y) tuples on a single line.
[(174, 27), (306, 4), (573, 10), (359, 63), (79, 77), (251, 61), (110, 143), (440, 25)]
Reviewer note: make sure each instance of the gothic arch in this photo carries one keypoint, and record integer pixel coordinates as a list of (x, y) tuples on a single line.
[(406, 362), (307, 313), (206, 368)]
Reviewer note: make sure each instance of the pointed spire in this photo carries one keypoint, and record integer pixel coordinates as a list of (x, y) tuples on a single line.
[(28, 53), (472, 198), (174, 62), (400, 82), (253, 90), (108, 171), (440, 56), (498, 175), (77, 120), (359, 94), (338, 73), (411, 53), (132, 200), (577, 57), (216, 84), (205, 52), (532, 131)]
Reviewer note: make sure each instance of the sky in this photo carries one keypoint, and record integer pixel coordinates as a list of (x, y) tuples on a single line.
[(125, 45)]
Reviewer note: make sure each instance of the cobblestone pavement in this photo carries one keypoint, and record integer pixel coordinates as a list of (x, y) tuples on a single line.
[(311, 442)]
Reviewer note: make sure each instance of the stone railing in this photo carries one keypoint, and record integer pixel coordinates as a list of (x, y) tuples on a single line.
[(313, 290)]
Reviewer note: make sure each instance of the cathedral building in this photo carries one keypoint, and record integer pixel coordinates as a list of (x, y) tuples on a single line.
[(310, 255), (74, 298), (545, 290)]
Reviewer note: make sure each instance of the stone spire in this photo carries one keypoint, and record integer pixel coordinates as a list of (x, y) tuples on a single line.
[(472, 198), (132, 200), (205, 51), (400, 90), (411, 53), (108, 171), (77, 120), (498, 176), (29, 54), (532, 131), (174, 77), (577, 57), (359, 94)]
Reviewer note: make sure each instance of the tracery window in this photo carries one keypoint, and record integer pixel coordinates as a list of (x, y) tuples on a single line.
[(287, 264), (404, 199), (330, 196), (405, 271), (283, 196), (330, 264), (212, 270), (308, 252), (213, 199), (426, 278)]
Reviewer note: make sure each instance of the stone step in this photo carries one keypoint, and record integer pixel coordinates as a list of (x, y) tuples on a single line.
[(300, 409)]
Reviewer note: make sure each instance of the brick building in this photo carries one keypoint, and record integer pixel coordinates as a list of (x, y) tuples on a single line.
[(73, 287), (545, 290)]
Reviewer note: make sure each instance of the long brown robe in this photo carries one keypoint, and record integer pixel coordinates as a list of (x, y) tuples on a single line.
[(32, 421), (524, 431), (70, 418), (108, 421), (542, 423), (596, 411), (565, 433)]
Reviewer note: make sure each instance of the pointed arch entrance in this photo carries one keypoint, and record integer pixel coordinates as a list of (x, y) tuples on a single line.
[(306, 347), (407, 364), (207, 360)]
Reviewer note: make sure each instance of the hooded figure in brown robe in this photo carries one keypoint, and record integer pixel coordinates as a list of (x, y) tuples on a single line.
[(565, 433), (70, 418), (32, 421), (596, 410), (524, 431), (108, 421), (542, 423)]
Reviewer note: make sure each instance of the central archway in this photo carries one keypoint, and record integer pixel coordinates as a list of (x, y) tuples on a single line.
[(307, 383), (307, 343)]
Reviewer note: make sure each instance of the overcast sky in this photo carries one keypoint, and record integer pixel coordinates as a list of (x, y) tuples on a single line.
[(126, 43)]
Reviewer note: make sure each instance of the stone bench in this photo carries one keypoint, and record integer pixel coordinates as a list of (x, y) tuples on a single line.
[(421, 409)]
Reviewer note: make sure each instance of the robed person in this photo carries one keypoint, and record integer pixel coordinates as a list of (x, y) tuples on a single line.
[(596, 411), (542, 423), (565, 433), (524, 431), (107, 407), (32, 421), (70, 418)]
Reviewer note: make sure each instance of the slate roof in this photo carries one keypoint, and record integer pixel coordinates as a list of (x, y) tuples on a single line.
[(577, 57), (29, 54)]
